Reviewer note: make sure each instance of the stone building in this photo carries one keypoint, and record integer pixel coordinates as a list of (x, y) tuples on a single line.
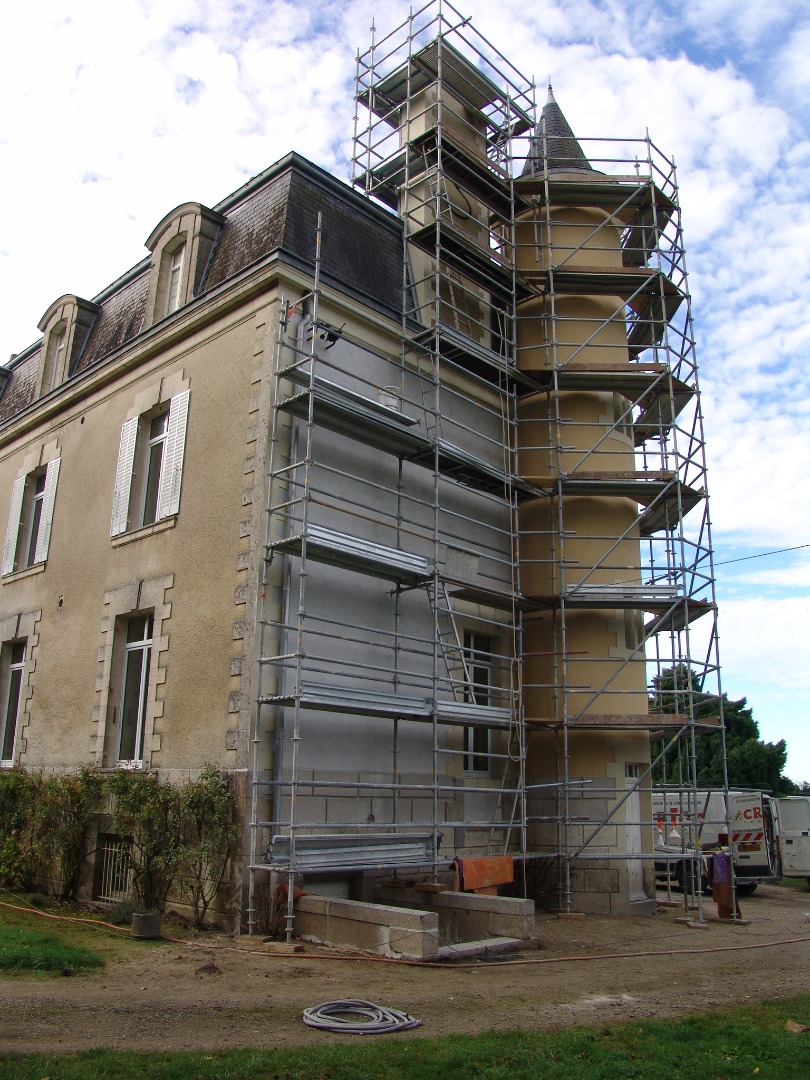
[(375, 497)]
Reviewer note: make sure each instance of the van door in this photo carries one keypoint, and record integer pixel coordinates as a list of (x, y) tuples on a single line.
[(749, 846), (794, 836)]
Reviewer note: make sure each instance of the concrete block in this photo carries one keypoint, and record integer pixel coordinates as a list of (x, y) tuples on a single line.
[(469, 916), (390, 931)]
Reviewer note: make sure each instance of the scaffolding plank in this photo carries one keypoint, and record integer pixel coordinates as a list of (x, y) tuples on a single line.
[(678, 617), (341, 699), (458, 251), (632, 380), (346, 851), (469, 170), (339, 411), (470, 714), (651, 297), (666, 498), (357, 417), (662, 409), (618, 721), (357, 702), (459, 465), (353, 553), (611, 193), (500, 599), (467, 82)]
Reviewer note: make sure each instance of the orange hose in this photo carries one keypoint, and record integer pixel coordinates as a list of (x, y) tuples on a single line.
[(443, 966)]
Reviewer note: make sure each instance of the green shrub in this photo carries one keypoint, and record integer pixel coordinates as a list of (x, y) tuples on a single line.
[(208, 838), (19, 842), (64, 810), (150, 813), (120, 914)]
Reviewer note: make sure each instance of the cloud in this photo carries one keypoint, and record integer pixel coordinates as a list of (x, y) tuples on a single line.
[(197, 95)]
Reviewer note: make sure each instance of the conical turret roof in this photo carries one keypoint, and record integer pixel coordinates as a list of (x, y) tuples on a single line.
[(554, 146)]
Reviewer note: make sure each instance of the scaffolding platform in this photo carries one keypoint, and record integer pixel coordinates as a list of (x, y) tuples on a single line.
[(666, 498), (349, 700), (351, 853), (361, 418)]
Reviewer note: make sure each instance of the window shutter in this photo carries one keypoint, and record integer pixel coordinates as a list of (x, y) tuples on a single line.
[(123, 477), (48, 497), (171, 471), (10, 548)]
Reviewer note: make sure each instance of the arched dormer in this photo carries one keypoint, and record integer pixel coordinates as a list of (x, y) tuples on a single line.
[(65, 327), (180, 245)]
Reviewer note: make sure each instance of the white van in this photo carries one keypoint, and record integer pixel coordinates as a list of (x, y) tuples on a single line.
[(792, 823), (696, 829)]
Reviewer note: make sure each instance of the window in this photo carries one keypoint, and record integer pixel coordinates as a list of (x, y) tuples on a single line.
[(12, 668), (55, 360), (135, 682), (174, 278), (30, 516), (150, 466), (478, 670)]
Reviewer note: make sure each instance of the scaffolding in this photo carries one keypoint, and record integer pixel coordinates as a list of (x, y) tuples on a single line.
[(488, 542)]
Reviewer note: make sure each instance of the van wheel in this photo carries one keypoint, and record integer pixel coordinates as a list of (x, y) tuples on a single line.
[(745, 888)]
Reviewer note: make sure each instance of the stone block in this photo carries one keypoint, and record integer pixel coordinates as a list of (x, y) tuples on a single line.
[(389, 931)]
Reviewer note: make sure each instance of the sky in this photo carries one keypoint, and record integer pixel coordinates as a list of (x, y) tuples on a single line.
[(115, 113)]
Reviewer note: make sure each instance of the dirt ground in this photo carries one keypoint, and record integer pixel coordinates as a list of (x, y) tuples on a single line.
[(226, 992)]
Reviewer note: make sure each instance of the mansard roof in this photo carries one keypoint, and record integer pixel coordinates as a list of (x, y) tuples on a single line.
[(272, 215), (554, 147)]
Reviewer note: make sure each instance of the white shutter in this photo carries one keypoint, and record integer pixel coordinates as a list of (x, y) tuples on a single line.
[(123, 477), (46, 517), (171, 469), (10, 548)]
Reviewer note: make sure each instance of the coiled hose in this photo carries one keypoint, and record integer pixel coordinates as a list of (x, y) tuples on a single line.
[(358, 1018)]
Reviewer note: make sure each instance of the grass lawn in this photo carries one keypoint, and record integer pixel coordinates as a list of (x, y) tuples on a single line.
[(723, 1045), (29, 950)]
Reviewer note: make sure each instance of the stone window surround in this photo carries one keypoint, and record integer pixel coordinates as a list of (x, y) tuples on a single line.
[(73, 316), (15, 628), (137, 596), (156, 394), (190, 225), (39, 458)]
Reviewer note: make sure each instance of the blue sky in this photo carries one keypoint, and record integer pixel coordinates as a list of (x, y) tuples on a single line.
[(115, 113)]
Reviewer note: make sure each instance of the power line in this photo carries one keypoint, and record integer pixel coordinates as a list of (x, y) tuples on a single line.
[(762, 554)]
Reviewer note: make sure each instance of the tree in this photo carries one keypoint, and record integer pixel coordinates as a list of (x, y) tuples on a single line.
[(750, 761)]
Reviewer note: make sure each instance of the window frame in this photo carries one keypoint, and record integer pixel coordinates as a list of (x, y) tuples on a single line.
[(141, 648), (12, 682), (478, 671), (131, 489), (24, 531), (174, 268)]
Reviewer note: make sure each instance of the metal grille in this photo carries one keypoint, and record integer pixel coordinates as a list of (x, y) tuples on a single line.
[(114, 877)]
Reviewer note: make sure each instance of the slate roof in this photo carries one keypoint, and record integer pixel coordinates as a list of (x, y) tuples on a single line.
[(275, 212), (563, 152)]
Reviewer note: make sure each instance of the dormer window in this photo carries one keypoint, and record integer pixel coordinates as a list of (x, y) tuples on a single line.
[(66, 327), (181, 246)]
